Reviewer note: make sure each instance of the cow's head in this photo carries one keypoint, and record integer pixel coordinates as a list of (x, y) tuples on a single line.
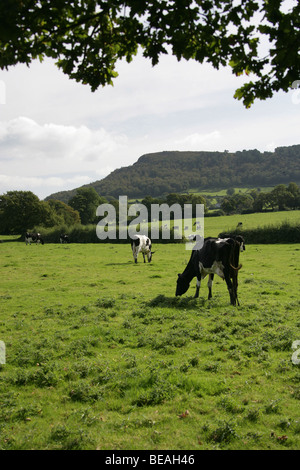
[(241, 241), (149, 255), (182, 285)]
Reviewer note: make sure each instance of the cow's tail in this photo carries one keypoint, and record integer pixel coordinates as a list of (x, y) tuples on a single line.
[(236, 268), (235, 259)]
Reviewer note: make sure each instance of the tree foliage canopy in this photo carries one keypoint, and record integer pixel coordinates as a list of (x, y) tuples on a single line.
[(281, 198), (260, 38), (22, 210), (86, 201)]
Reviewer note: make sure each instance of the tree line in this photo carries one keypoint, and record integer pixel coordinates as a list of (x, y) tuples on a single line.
[(282, 197), (22, 210)]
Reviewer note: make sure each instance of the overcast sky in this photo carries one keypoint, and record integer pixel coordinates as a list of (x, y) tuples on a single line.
[(55, 134)]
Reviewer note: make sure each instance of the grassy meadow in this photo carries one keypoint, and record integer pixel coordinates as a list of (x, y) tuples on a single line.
[(100, 354), (214, 225)]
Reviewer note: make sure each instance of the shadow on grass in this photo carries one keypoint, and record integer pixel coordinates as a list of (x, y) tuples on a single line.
[(176, 302), (124, 263), (9, 240)]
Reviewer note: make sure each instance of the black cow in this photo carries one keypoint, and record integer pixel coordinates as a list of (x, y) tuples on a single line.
[(217, 256), (34, 238), (64, 238)]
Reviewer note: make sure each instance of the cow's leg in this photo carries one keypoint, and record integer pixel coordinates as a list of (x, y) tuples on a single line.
[(144, 257), (135, 253), (209, 285), (235, 287), (198, 284), (230, 287)]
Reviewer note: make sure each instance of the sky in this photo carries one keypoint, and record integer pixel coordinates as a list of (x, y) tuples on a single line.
[(56, 134)]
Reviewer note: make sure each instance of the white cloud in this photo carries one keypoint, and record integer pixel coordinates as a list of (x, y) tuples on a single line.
[(26, 139), (42, 157), (197, 140), (22, 183), (45, 94)]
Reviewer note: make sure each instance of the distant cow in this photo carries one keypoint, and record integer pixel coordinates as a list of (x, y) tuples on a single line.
[(141, 243), (64, 238), (217, 256), (33, 238)]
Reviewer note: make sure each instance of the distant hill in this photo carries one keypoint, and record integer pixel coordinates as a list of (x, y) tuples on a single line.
[(161, 173)]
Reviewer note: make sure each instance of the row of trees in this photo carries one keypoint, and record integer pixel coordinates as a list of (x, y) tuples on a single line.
[(282, 197), (174, 198), (22, 210)]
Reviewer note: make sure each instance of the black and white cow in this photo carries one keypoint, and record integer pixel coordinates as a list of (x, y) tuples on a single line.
[(64, 238), (217, 256), (33, 238), (141, 243)]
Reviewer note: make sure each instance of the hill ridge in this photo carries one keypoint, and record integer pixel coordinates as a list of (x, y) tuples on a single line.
[(159, 173)]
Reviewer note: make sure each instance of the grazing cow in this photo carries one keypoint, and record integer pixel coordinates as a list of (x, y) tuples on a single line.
[(141, 243), (34, 238), (64, 238), (217, 256)]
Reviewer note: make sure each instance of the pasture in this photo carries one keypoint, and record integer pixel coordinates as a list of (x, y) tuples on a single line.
[(215, 225), (100, 354)]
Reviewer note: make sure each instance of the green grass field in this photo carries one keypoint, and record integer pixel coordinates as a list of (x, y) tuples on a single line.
[(214, 225), (100, 354)]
